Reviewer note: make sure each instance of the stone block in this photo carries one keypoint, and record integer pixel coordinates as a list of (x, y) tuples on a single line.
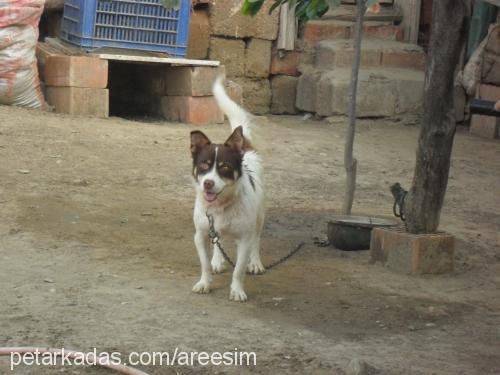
[(76, 71), (413, 253), (404, 59), (485, 126), (231, 54), (199, 35), (489, 92), (306, 92), (258, 58), (226, 20), (284, 92), (256, 95), (79, 101), (191, 110), (285, 63)]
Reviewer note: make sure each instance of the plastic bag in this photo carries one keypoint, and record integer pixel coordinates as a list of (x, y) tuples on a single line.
[(19, 82)]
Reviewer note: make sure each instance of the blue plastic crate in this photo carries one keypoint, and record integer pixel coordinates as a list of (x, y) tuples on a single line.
[(140, 25)]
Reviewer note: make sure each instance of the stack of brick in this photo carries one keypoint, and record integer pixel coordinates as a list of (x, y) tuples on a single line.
[(76, 84), (284, 77), (486, 126), (186, 94), (243, 44)]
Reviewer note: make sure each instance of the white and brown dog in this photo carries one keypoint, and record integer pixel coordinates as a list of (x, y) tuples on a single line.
[(228, 181)]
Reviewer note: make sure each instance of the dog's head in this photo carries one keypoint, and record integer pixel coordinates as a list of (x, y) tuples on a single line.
[(218, 167)]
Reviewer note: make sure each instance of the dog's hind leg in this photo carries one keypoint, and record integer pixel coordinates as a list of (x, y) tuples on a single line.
[(237, 292), (218, 261), (202, 243)]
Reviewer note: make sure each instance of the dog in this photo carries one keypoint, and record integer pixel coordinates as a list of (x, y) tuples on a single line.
[(229, 186)]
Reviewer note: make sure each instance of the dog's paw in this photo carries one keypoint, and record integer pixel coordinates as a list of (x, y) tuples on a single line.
[(255, 267), (202, 287), (218, 266), (237, 294)]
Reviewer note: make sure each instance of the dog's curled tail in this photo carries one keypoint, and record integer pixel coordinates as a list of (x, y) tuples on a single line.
[(237, 116)]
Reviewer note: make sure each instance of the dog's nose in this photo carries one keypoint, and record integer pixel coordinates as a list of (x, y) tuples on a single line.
[(208, 184)]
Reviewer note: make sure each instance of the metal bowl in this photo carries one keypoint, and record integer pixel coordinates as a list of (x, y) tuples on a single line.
[(354, 232)]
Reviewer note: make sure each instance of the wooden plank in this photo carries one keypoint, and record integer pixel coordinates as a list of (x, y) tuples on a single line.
[(156, 60), (411, 18)]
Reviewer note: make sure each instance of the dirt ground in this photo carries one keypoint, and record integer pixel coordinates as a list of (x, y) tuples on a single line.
[(96, 250)]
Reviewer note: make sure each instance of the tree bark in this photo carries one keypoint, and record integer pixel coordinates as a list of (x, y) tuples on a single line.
[(425, 198), (350, 163)]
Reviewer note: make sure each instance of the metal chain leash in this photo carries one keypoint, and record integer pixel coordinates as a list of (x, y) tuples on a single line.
[(398, 208), (214, 238)]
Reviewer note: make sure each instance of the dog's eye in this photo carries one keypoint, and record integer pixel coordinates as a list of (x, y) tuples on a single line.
[(226, 168), (204, 166)]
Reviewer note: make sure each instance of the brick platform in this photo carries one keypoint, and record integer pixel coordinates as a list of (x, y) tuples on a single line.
[(80, 101), (76, 71), (413, 253), (176, 89)]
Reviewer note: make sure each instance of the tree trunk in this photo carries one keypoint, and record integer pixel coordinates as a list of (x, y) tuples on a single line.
[(350, 163), (425, 198)]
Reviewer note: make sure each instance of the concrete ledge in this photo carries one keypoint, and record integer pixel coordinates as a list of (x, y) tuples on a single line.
[(413, 253)]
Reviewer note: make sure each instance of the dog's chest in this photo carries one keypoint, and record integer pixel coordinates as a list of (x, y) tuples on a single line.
[(231, 223)]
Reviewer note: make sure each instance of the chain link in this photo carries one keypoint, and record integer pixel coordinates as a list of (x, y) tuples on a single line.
[(215, 239)]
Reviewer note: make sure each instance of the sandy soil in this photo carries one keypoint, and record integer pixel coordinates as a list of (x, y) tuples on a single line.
[(96, 250)]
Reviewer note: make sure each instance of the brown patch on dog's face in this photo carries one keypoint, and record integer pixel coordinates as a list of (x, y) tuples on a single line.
[(228, 156)]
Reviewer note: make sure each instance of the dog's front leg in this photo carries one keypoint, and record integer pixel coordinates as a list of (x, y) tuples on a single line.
[(237, 292), (202, 243)]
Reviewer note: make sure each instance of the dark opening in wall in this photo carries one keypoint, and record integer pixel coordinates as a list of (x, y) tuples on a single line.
[(134, 89)]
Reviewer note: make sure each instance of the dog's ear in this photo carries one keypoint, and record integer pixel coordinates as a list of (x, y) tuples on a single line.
[(236, 141), (198, 141)]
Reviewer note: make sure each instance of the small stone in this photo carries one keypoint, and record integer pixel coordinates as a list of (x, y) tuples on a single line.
[(359, 367), (23, 171), (147, 214), (50, 281), (411, 327)]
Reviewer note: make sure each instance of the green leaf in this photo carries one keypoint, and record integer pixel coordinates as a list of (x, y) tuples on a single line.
[(251, 8), (171, 4)]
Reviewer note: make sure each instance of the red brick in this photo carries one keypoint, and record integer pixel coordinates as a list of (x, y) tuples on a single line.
[(404, 252), (404, 59), (387, 32), (489, 92), (76, 71), (199, 35), (43, 51), (191, 110), (79, 101), (345, 58), (314, 31), (485, 126), (285, 64), (191, 80)]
